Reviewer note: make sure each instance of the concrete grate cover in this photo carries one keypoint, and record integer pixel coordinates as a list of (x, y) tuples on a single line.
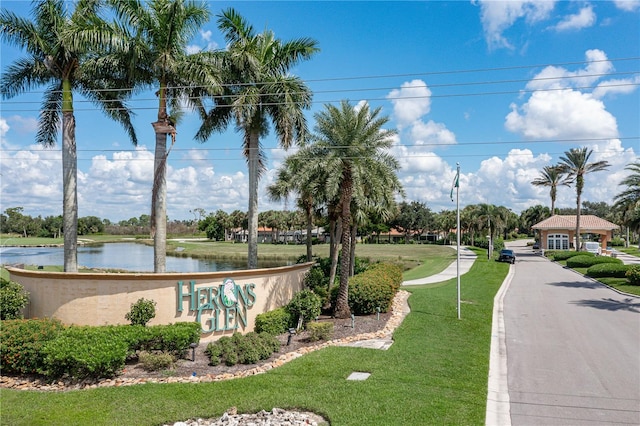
[(358, 376)]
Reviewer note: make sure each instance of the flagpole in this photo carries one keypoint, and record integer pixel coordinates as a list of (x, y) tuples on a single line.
[(458, 233)]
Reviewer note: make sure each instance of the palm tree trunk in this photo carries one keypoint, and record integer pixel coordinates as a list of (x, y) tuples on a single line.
[(342, 309), (309, 214), (70, 191), (578, 221), (335, 229), (159, 204), (352, 254), (252, 260)]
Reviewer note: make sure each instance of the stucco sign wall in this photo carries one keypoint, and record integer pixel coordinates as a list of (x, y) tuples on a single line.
[(222, 302)]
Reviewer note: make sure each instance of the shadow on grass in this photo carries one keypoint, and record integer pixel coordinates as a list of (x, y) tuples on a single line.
[(628, 304)]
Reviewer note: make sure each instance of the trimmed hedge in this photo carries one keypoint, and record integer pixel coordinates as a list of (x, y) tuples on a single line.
[(274, 322), (585, 261), (374, 288), (320, 331), (244, 349), (603, 270), (21, 343), (633, 274), (46, 347), (567, 254)]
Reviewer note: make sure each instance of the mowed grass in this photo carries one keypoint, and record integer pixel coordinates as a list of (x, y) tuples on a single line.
[(435, 373)]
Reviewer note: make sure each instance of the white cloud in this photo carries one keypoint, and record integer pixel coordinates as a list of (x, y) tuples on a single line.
[(627, 5), (206, 35), (4, 127), (432, 133), (562, 114), (410, 102), (498, 16), (616, 87), (583, 19), (552, 77), (23, 125)]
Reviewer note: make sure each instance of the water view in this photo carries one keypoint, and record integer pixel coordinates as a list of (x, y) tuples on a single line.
[(127, 256)]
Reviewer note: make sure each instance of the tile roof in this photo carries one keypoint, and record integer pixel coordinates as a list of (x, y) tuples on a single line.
[(587, 222)]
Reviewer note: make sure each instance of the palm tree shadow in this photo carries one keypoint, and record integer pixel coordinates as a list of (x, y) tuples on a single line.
[(577, 284), (628, 304)]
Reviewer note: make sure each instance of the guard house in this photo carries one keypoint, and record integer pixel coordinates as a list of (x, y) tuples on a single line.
[(558, 231)]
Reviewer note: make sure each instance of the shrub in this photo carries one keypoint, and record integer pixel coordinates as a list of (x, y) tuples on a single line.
[(567, 254), (13, 299), (141, 312), (320, 330), (156, 361), (633, 274), (601, 270), (617, 242), (21, 343), (173, 338), (317, 281), (248, 349), (306, 305), (374, 289), (274, 322), (585, 261), (85, 352)]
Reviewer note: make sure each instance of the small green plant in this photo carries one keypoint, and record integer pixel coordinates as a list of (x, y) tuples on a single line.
[(633, 274), (141, 312), (247, 349), (306, 305), (320, 331), (274, 322), (156, 361), (13, 299)]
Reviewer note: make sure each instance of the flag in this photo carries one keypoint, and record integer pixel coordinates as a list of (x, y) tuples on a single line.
[(456, 183)]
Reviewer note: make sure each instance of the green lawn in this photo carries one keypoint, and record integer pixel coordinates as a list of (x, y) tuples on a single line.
[(435, 373)]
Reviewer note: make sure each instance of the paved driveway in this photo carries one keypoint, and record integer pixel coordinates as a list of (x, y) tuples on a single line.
[(573, 347)]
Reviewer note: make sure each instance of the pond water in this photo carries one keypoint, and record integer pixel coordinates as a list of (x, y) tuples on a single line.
[(127, 256)]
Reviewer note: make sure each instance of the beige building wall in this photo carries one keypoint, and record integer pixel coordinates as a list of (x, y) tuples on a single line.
[(105, 298)]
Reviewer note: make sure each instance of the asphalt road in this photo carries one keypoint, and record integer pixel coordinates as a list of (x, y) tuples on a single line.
[(573, 347)]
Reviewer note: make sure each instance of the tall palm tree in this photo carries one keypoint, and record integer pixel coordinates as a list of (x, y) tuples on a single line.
[(259, 91), (293, 178), (575, 163), (64, 63), (552, 176), (628, 201), (352, 146), (152, 41)]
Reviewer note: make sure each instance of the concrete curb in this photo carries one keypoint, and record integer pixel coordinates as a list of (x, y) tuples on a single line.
[(498, 410)]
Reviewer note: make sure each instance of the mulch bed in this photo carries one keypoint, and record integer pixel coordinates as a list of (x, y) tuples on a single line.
[(342, 328)]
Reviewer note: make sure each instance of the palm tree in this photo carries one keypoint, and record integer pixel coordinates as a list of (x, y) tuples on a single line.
[(294, 178), (152, 40), (62, 61), (628, 201), (552, 176), (575, 163), (352, 146), (259, 91)]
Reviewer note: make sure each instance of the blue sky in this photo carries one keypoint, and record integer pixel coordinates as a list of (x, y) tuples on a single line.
[(503, 88)]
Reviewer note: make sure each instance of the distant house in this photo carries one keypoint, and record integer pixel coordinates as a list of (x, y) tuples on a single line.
[(559, 231)]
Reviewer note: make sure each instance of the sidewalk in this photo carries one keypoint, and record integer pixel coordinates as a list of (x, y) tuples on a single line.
[(467, 257)]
